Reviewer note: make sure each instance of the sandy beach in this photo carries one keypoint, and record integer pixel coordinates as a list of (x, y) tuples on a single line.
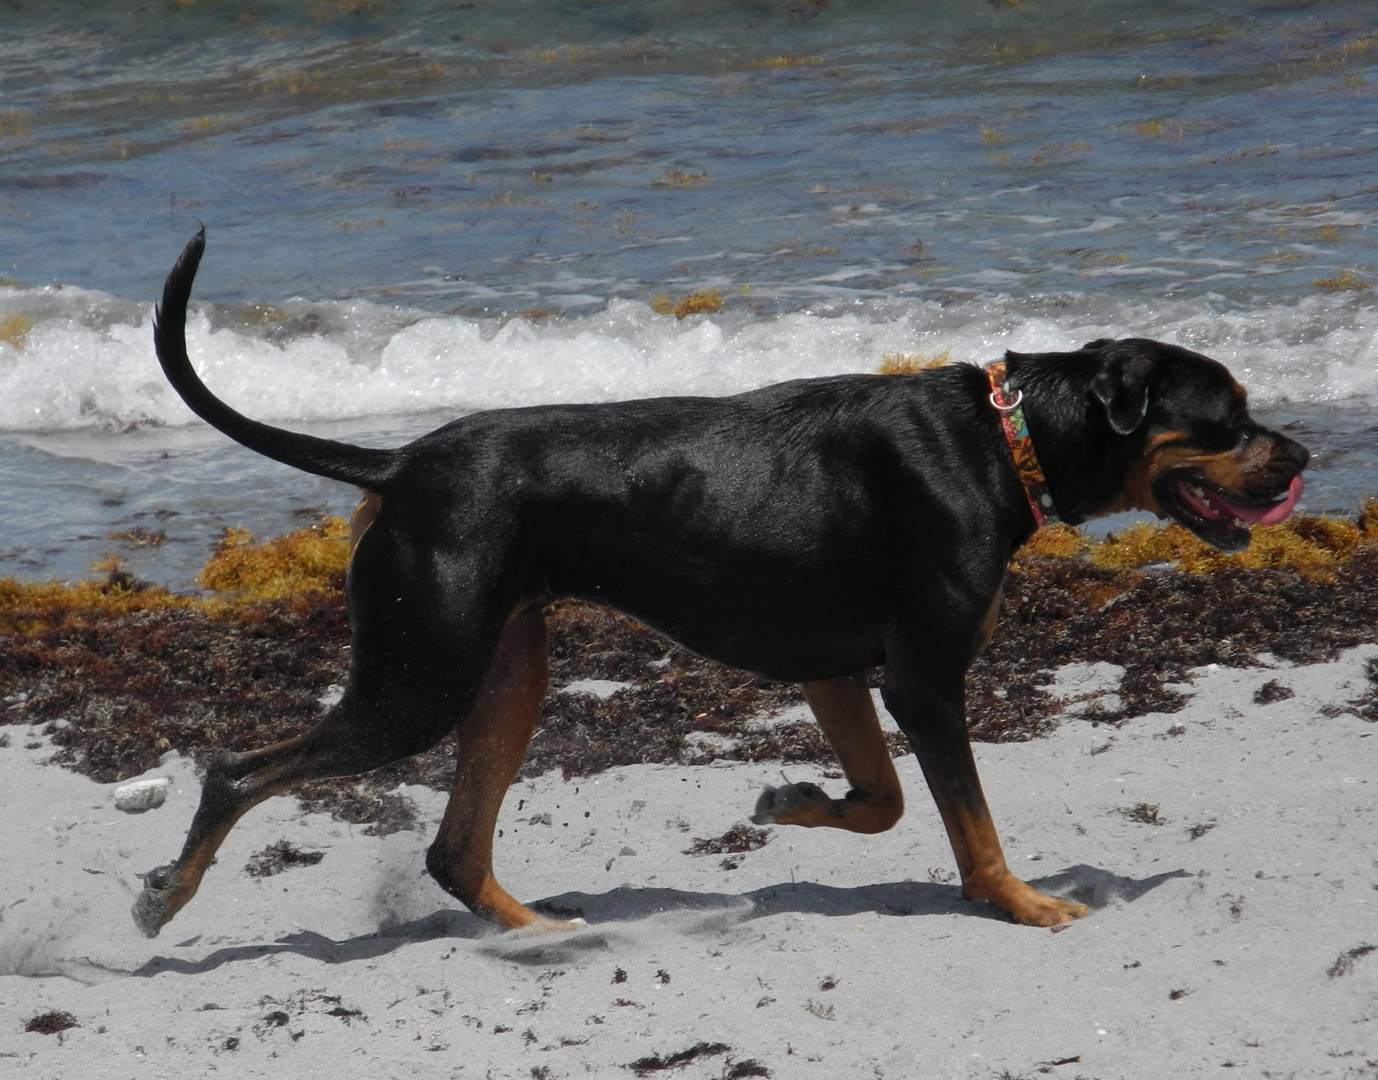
[(1226, 850)]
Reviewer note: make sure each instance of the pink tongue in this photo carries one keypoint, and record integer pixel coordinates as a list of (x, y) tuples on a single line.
[(1267, 515)]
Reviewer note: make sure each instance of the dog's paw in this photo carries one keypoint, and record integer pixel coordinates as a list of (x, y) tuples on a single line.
[(150, 911), (545, 925), (151, 907), (1053, 912), (793, 804), (1022, 901)]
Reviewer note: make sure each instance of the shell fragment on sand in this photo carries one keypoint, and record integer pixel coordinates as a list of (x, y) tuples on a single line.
[(142, 795)]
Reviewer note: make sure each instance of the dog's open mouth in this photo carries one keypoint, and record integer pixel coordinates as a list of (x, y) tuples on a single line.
[(1219, 519)]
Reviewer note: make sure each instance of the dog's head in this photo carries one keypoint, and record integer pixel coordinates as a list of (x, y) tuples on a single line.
[(1177, 440)]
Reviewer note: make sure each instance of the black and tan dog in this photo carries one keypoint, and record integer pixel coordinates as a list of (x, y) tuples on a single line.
[(809, 531)]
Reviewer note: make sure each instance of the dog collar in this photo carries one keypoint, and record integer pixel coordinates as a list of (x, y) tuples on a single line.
[(1016, 429)]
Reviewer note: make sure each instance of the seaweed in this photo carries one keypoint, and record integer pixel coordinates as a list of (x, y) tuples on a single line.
[(305, 560), (14, 329), (1344, 963), (1272, 691), (280, 856), (662, 1062), (900, 363), (1142, 813), (700, 301), (738, 839), (51, 1023), (1346, 282)]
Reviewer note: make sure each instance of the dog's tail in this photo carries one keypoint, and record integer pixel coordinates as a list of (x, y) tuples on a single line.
[(370, 469)]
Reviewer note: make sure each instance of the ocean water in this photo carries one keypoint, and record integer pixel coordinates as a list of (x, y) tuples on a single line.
[(419, 209)]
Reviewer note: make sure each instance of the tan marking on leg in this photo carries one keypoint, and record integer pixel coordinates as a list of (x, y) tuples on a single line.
[(362, 518), (981, 860), (987, 627), (234, 785), (492, 744), (845, 712)]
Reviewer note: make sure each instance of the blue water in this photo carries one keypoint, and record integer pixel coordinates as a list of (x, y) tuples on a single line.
[(438, 206)]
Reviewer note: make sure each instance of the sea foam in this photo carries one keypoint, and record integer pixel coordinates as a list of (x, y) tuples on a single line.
[(86, 360)]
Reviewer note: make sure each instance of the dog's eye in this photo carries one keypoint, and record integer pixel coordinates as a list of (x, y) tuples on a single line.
[(1218, 437)]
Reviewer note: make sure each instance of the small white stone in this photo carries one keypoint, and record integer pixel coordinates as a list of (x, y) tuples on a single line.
[(142, 795)]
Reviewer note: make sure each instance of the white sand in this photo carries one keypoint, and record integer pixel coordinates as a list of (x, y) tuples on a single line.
[(821, 955)]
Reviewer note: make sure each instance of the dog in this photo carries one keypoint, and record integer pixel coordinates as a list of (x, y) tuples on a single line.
[(810, 531)]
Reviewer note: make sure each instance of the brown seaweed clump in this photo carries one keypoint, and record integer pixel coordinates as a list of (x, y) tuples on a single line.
[(119, 672), (310, 560), (698, 302), (899, 363), (51, 1023), (1314, 545)]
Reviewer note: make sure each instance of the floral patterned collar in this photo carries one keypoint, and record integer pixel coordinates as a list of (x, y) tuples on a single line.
[(1016, 429)]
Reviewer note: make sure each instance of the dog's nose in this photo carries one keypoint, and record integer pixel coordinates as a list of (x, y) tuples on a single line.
[(1293, 452)]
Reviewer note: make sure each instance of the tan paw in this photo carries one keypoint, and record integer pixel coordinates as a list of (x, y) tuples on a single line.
[(1024, 903), (1051, 912)]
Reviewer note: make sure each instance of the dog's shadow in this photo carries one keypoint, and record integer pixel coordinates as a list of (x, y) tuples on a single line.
[(702, 912), (1089, 885)]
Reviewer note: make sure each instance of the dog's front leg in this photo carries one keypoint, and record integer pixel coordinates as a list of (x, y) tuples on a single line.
[(845, 712), (935, 724)]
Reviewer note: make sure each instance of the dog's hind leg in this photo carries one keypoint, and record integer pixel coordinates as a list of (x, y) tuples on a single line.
[(492, 743), (845, 712), (344, 743), (411, 677)]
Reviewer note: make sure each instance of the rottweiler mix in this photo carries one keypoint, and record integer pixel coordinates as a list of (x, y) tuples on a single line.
[(809, 531)]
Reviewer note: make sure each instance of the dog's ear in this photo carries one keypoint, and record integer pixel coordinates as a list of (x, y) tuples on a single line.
[(1121, 386)]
